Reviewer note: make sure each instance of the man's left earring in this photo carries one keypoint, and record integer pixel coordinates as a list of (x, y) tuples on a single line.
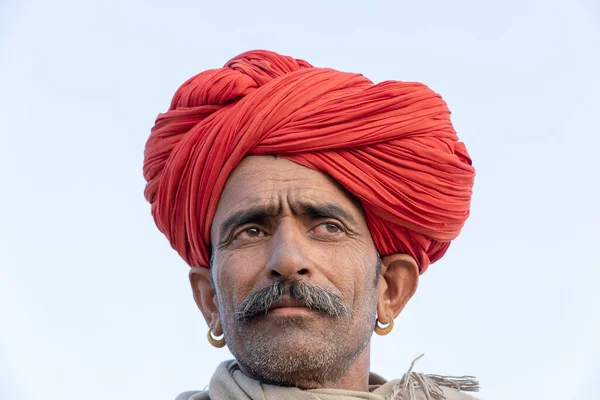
[(218, 343)]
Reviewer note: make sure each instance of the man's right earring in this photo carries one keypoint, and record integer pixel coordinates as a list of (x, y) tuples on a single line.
[(384, 330), (218, 343)]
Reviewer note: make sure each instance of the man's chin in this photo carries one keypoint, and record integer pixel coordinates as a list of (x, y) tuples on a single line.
[(293, 366), (290, 338), (291, 356)]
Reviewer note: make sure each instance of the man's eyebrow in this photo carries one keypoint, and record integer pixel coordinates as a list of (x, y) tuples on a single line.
[(328, 210), (256, 214)]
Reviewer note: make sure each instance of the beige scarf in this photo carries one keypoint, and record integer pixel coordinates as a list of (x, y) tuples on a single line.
[(229, 382)]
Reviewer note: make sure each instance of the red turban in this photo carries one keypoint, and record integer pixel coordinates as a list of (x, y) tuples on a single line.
[(391, 145)]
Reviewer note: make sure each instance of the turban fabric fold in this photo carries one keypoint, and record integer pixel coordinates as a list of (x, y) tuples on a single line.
[(392, 145)]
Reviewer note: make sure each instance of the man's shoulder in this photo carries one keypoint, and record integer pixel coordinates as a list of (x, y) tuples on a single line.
[(194, 395), (449, 394)]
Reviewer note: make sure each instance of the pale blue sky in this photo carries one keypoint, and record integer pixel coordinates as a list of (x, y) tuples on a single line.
[(93, 301)]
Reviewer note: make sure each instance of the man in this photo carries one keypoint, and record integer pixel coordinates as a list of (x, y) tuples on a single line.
[(307, 202)]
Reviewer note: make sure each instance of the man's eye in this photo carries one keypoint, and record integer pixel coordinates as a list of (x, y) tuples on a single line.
[(250, 232), (328, 227)]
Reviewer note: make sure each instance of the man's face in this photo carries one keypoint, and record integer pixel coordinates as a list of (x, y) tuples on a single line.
[(295, 272)]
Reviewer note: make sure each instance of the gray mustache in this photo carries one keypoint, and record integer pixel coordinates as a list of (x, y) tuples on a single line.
[(309, 296)]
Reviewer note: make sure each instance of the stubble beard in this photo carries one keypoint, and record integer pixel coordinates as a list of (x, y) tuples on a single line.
[(301, 352), (300, 356)]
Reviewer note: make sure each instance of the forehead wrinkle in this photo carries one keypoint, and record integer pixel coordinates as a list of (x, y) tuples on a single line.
[(294, 201), (270, 191), (273, 175)]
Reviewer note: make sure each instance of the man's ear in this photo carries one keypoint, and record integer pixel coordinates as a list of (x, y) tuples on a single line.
[(398, 282), (205, 297)]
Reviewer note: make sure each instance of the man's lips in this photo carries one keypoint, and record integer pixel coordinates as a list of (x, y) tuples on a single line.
[(285, 303), (289, 307)]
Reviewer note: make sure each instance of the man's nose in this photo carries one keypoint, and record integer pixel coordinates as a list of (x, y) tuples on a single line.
[(290, 253)]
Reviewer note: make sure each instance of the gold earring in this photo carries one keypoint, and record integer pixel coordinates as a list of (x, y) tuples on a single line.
[(218, 343), (384, 330)]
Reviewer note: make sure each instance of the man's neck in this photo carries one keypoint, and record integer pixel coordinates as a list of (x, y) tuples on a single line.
[(357, 377)]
